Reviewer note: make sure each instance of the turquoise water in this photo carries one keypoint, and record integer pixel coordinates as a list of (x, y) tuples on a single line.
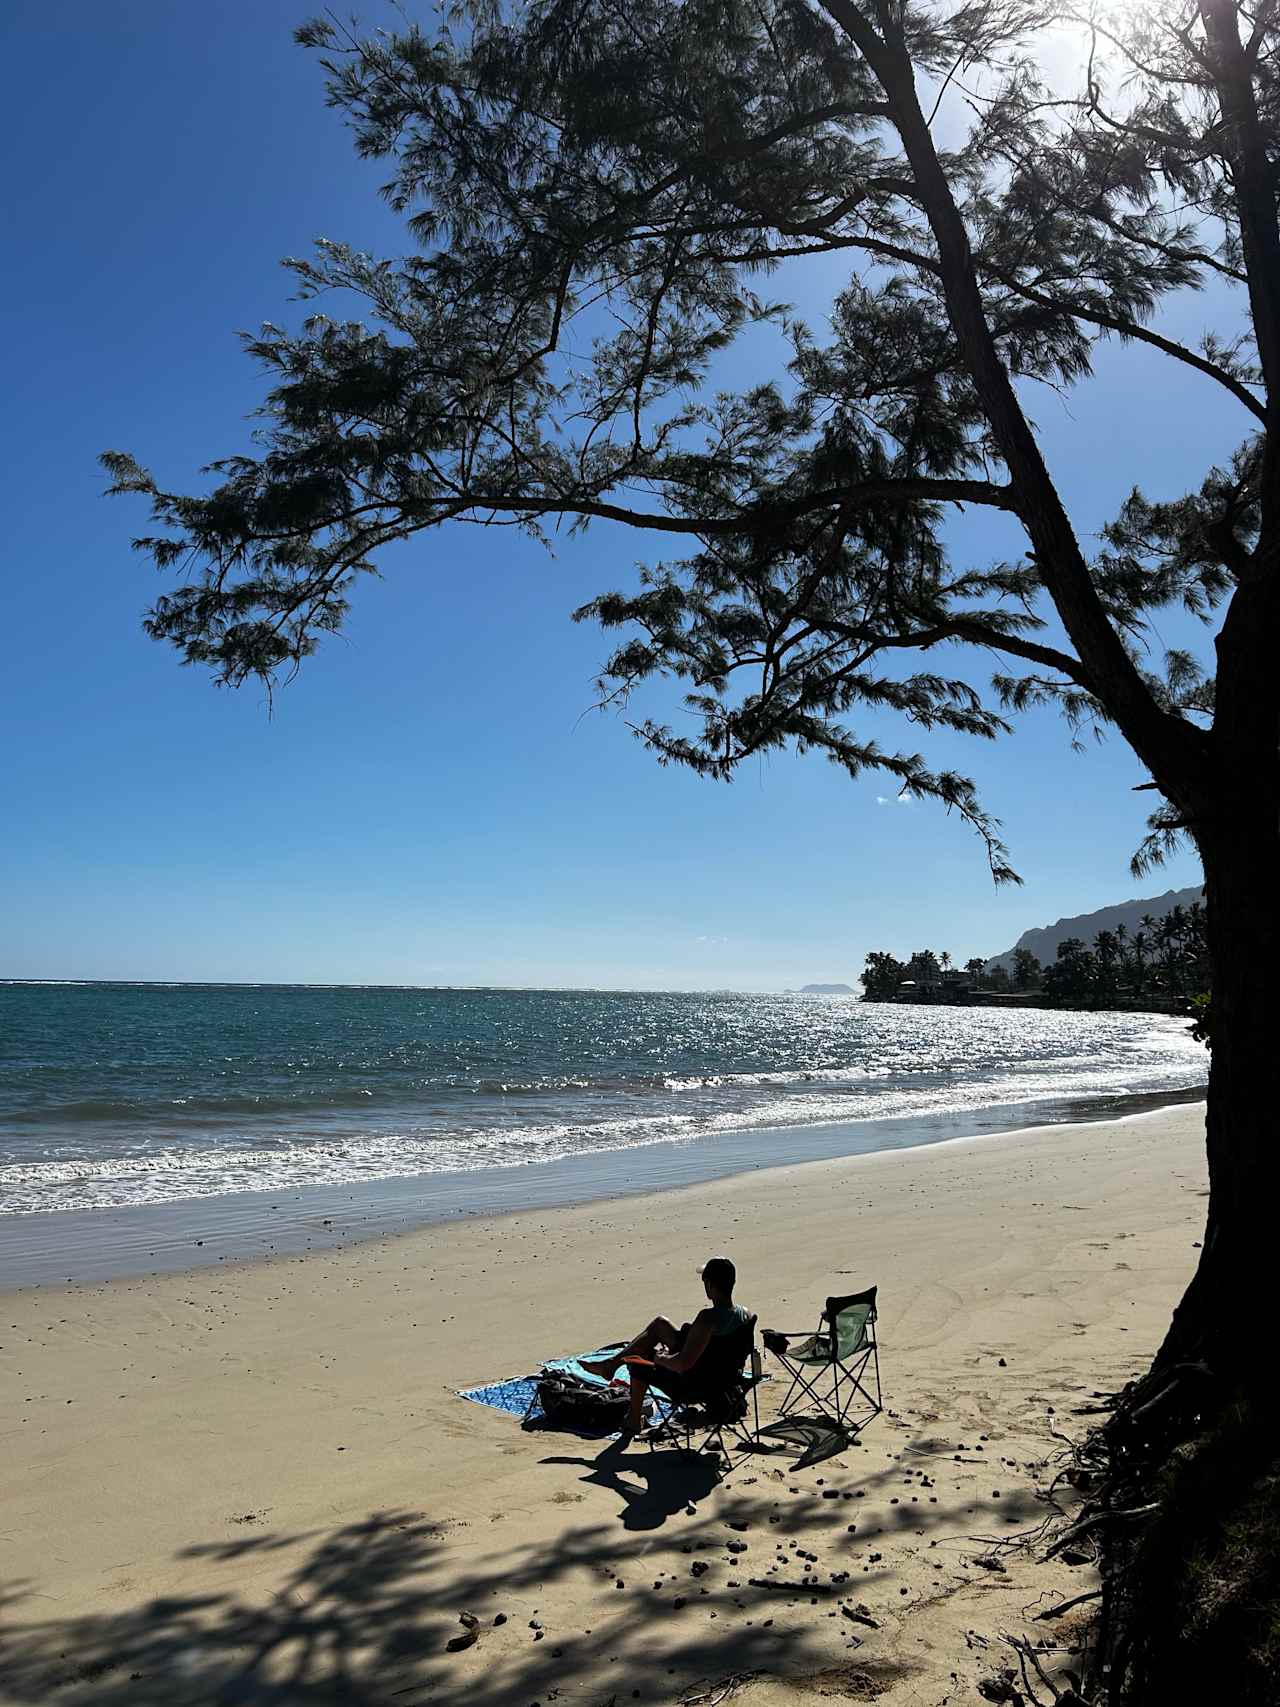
[(116, 1095)]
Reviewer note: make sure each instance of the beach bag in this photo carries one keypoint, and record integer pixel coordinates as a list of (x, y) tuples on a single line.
[(567, 1400)]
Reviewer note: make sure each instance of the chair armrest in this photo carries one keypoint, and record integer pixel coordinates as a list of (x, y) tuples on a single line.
[(774, 1340)]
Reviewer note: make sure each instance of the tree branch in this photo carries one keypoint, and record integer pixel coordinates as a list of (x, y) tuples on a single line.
[(1142, 334), (759, 518), (1172, 748)]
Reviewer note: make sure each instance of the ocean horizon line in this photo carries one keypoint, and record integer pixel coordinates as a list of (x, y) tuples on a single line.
[(346, 984)]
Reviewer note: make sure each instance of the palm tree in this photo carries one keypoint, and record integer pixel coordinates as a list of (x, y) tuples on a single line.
[(1167, 934), (1141, 943), (1197, 944), (1104, 950)]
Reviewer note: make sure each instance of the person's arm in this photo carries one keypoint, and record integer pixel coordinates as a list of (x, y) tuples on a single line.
[(695, 1343)]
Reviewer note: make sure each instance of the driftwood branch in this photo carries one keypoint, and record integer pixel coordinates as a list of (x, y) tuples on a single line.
[(719, 1691), (1090, 1522), (1066, 1605)]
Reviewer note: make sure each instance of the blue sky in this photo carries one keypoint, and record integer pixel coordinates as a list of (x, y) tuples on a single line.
[(428, 802)]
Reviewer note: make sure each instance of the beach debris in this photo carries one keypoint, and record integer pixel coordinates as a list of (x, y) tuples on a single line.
[(1062, 1606), (860, 1615), (782, 1585), (500, 1618), (1000, 1687), (466, 1639), (736, 1546), (721, 1690)]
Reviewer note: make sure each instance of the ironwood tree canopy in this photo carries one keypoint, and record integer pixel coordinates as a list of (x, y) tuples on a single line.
[(599, 196)]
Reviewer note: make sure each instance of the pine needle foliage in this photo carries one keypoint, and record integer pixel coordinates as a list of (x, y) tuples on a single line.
[(599, 198)]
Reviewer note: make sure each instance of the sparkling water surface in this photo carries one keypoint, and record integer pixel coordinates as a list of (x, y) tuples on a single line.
[(126, 1094)]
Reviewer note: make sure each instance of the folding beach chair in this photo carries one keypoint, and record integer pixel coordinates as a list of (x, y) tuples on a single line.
[(835, 1379), (716, 1396)]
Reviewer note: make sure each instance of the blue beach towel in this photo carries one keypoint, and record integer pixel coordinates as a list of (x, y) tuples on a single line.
[(516, 1395)]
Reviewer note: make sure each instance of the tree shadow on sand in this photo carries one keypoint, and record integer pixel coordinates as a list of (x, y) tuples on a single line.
[(362, 1616), (361, 1620)]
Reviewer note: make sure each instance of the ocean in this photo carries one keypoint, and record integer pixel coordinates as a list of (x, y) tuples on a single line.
[(124, 1096)]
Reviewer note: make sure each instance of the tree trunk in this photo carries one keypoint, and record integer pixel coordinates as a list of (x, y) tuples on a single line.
[(1228, 1314)]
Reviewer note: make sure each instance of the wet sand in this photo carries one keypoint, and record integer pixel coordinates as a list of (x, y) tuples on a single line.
[(234, 1227)]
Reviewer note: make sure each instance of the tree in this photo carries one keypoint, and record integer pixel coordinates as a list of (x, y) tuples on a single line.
[(1106, 952), (1167, 935), (1073, 976), (977, 970), (1197, 947), (924, 967), (1140, 945), (595, 194), (1026, 969), (881, 976)]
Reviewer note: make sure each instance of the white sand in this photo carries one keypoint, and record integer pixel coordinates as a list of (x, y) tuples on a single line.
[(254, 1485)]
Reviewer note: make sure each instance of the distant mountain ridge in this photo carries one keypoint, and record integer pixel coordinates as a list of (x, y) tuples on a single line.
[(1043, 942)]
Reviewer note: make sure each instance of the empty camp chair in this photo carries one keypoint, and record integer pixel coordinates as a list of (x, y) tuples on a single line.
[(713, 1395), (835, 1378)]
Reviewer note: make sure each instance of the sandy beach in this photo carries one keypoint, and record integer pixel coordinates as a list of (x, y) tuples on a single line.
[(256, 1484)]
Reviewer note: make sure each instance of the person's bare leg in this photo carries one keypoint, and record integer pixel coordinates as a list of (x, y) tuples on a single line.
[(659, 1332), (639, 1387)]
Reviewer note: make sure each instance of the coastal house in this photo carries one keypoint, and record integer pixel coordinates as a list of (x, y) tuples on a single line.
[(952, 985)]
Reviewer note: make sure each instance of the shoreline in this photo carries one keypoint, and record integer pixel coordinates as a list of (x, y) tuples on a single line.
[(85, 1247), (224, 1484)]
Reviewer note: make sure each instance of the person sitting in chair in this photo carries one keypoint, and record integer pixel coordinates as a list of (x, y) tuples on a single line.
[(667, 1357)]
